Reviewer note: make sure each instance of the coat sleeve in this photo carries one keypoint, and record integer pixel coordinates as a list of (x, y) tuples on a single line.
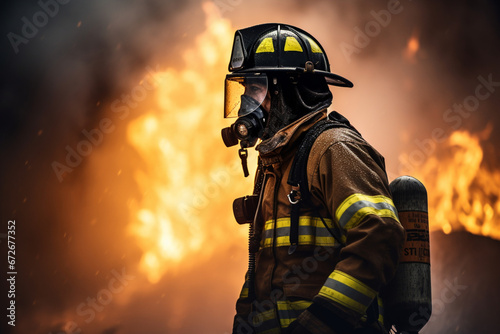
[(351, 180)]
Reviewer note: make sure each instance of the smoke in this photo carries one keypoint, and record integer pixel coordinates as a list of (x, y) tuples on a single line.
[(63, 64), (64, 69), (406, 97)]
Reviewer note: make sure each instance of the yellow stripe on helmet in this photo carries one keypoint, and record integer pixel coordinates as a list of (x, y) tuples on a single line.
[(314, 46), (291, 44), (266, 45)]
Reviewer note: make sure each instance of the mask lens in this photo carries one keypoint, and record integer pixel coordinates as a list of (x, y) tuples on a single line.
[(253, 85), (242, 130)]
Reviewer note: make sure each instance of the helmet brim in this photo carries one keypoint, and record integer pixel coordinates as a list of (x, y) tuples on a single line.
[(331, 78), (336, 80)]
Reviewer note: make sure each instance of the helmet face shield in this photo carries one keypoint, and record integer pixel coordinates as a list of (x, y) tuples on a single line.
[(244, 93)]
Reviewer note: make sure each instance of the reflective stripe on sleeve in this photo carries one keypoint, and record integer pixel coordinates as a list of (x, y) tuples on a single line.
[(348, 291), (357, 206)]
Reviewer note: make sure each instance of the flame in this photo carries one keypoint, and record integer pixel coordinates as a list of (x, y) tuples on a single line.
[(189, 178), (186, 186), (463, 193), (412, 47)]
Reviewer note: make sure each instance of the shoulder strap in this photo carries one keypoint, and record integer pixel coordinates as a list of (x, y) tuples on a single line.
[(298, 173)]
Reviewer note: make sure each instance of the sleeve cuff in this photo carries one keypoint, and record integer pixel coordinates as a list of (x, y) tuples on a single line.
[(345, 290)]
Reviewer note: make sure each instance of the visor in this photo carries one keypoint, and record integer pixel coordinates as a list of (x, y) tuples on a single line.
[(253, 86)]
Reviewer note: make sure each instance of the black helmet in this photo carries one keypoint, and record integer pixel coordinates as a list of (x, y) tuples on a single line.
[(279, 47), (285, 59)]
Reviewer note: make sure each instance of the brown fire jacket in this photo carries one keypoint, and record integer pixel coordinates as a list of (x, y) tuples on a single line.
[(349, 192)]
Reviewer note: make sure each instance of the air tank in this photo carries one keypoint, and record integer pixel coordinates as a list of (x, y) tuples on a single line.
[(408, 300)]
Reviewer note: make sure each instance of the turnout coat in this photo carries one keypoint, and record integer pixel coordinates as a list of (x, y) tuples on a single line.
[(327, 285)]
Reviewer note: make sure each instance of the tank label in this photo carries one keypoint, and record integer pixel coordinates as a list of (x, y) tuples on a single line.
[(416, 247)]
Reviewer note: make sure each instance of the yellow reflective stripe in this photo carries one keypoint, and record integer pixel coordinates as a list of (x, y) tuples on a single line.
[(319, 241), (266, 322), (244, 289), (311, 232), (353, 283), (295, 305), (266, 45), (266, 243), (342, 299), (289, 311), (314, 47), (286, 322), (283, 241), (357, 206), (301, 304), (303, 221), (380, 310), (348, 291), (283, 222), (291, 44), (267, 315), (261, 318), (358, 217)]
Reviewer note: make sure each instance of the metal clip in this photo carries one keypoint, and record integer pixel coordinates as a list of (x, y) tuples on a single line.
[(294, 195), (309, 66)]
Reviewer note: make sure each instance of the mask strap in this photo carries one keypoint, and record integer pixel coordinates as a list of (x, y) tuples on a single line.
[(243, 153)]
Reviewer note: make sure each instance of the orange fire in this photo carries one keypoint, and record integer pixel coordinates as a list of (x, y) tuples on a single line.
[(412, 47), (191, 178), (462, 192)]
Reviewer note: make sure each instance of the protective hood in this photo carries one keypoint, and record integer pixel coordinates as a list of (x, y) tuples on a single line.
[(294, 97)]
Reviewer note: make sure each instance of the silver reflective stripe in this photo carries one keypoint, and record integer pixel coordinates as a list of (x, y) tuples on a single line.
[(303, 230), (348, 291), (311, 232), (314, 230), (268, 234), (350, 212), (289, 311), (282, 232)]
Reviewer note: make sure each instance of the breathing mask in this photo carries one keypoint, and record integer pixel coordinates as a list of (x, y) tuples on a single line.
[(243, 96)]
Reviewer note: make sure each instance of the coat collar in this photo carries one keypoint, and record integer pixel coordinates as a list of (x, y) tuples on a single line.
[(270, 148)]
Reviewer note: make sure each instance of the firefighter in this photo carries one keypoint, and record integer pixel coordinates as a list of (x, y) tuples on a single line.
[(322, 271)]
